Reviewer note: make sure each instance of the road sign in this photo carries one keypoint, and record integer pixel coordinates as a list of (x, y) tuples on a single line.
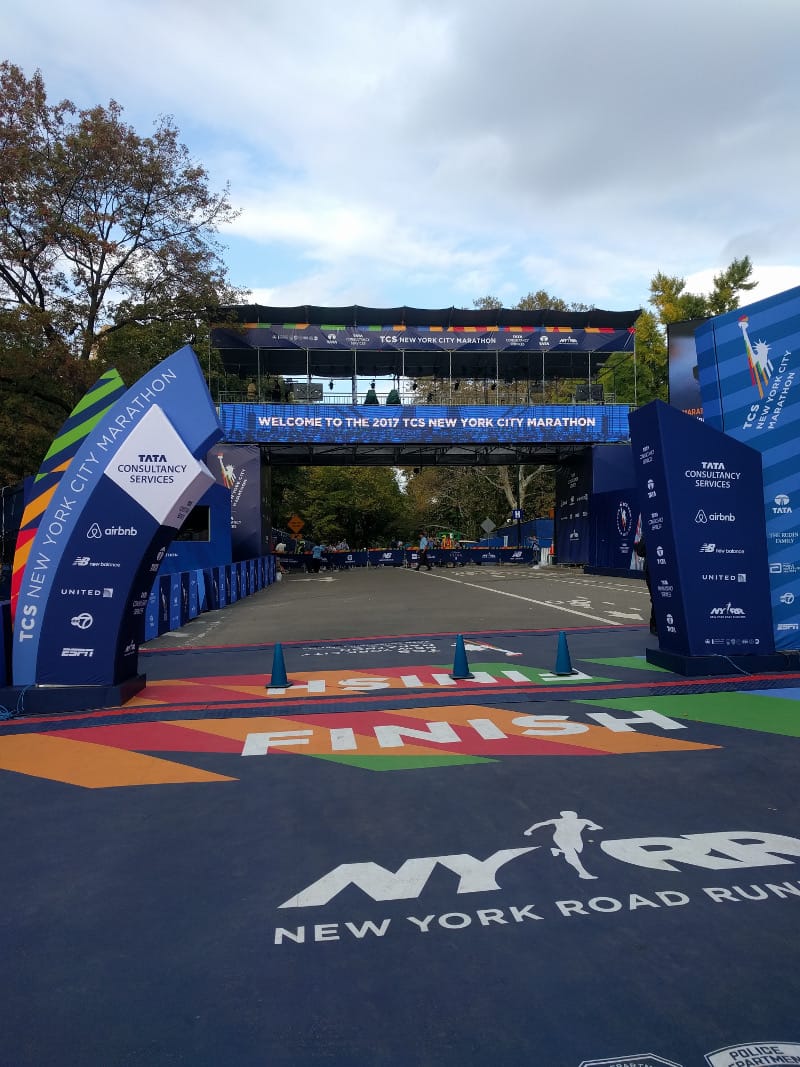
[(487, 525), (295, 524)]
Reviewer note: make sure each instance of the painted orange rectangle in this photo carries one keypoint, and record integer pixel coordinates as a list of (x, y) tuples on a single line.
[(92, 766)]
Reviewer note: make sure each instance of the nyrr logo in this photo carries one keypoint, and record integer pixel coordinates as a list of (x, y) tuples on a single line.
[(727, 612), (722, 850)]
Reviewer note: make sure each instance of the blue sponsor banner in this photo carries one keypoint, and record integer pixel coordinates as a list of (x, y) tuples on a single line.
[(706, 543), (237, 468), (613, 528), (382, 557), (540, 339), (422, 424), (749, 362), (573, 489), (106, 530)]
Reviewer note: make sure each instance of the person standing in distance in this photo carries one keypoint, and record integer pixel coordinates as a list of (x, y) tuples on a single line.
[(423, 552)]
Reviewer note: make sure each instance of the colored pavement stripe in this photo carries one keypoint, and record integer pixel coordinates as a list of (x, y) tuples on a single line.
[(217, 689), (92, 766), (448, 735), (595, 740), (747, 711), (636, 663)]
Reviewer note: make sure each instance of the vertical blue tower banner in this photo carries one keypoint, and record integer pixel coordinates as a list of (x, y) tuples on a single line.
[(705, 541), (749, 367), (573, 489), (101, 540)]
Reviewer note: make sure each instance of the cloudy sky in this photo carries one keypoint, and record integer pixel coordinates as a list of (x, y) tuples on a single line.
[(431, 152)]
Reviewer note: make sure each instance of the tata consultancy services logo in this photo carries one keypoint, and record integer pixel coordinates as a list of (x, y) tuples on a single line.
[(758, 360), (781, 505)]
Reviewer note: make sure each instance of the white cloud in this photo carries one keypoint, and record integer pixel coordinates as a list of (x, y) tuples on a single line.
[(771, 280), (436, 151)]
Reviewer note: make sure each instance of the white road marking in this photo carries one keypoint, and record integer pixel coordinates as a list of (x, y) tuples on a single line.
[(530, 600)]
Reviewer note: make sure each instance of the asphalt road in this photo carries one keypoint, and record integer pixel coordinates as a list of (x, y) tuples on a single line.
[(387, 601)]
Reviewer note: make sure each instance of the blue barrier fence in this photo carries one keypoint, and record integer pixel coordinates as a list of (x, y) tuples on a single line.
[(177, 598), (439, 557)]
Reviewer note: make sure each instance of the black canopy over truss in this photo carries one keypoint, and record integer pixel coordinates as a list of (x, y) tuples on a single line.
[(343, 342)]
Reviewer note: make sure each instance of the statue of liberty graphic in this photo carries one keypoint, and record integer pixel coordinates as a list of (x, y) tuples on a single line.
[(568, 838), (228, 474), (757, 358)]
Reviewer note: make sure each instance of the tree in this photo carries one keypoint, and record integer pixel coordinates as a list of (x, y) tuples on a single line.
[(100, 227), (363, 504), (673, 303)]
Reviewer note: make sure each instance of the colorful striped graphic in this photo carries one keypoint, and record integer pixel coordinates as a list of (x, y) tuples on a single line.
[(102, 757), (760, 373), (82, 420)]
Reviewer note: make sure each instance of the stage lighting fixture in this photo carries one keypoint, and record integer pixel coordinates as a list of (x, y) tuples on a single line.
[(372, 384), (330, 384), (456, 385)]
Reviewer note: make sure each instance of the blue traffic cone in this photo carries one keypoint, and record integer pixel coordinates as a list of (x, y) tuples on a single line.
[(563, 662), (460, 665), (278, 679)]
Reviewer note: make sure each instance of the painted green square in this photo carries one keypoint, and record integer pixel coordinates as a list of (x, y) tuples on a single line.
[(636, 663), (402, 763), (746, 711)]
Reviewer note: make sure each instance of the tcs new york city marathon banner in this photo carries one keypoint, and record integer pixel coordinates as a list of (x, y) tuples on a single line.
[(749, 368), (704, 535), (422, 424), (92, 563)]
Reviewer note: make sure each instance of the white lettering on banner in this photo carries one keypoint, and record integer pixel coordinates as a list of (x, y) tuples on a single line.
[(58, 521), (432, 422), (136, 406)]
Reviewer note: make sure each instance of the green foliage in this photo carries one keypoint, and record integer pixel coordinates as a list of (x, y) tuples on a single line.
[(363, 504), (636, 382), (673, 303), (37, 393), (101, 228)]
